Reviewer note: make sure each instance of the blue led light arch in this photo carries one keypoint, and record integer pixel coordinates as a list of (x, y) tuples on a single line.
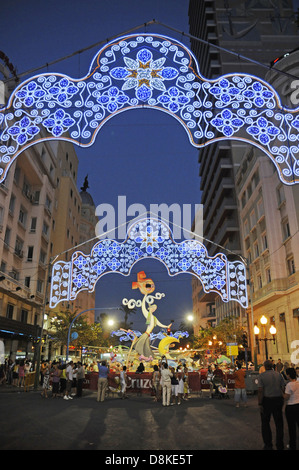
[(148, 238), (157, 72)]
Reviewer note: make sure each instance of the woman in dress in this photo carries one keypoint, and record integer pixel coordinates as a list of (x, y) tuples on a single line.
[(156, 378), (46, 381)]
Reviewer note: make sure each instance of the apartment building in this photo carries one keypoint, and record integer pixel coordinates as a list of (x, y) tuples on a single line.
[(25, 207), (269, 214), (40, 219), (256, 32)]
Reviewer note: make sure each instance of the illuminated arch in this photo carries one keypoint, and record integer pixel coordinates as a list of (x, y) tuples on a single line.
[(157, 72), (148, 238)]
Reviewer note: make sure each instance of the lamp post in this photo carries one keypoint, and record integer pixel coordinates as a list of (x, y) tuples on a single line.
[(75, 318), (272, 330)]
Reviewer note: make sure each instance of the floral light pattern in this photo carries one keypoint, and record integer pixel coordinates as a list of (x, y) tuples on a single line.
[(151, 71), (149, 238)]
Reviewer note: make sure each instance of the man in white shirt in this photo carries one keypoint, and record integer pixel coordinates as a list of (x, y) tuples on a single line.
[(69, 381), (166, 375)]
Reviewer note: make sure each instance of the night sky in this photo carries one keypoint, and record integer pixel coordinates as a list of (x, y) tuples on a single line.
[(144, 155)]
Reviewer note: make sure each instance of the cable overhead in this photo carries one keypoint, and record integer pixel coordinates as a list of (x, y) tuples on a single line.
[(144, 25)]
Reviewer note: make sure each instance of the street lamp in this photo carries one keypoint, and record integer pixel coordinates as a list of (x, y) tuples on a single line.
[(272, 330), (75, 318)]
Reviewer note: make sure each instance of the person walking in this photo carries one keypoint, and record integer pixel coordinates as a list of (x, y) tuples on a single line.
[(270, 399), (175, 387), (156, 378), (181, 383), (279, 366), (46, 380), (240, 387), (22, 374), (210, 380), (80, 379), (55, 374), (291, 396), (166, 384), (102, 380), (62, 380), (69, 381)]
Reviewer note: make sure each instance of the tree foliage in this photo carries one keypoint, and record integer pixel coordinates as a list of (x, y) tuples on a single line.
[(227, 331), (88, 334)]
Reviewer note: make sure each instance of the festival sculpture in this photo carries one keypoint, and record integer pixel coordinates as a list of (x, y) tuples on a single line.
[(141, 343), (157, 72)]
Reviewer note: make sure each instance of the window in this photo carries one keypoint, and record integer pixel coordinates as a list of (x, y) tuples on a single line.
[(280, 194), (33, 224), (268, 275), (27, 281), (39, 286), (259, 281), (17, 174), (30, 253), (24, 315), (22, 216), (249, 190), (264, 242), (19, 247), (3, 266), (45, 229), (9, 311), (286, 233), (7, 236), (42, 257), (36, 196), (260, 208), (26, 189), (291, 266), (14, 274), (48, 203), (256, 178), (252, 219), (256, 250), (12, 203)]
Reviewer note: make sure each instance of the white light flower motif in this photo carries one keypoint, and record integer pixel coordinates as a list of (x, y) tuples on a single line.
[(149, 239), (144, 74)]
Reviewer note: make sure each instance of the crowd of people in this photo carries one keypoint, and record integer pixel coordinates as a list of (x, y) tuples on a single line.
[(278, 386), (62, 379)]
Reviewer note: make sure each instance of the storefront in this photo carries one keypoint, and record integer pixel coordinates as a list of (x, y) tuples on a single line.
[(18, 338)]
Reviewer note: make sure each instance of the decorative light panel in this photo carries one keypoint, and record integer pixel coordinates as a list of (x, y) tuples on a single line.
[(129, 335), (148, 238), (157, 72)]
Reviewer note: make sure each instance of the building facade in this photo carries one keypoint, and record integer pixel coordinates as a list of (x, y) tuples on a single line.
[(41, 217), (255, 32)]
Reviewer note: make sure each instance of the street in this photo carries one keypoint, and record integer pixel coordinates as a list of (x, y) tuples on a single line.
[(30, 422)]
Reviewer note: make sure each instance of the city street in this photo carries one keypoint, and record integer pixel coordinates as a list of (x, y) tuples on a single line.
[(30, 422)]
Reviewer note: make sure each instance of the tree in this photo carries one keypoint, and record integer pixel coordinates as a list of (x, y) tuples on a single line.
[(88, 335), (127, 311), (225, 332)]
